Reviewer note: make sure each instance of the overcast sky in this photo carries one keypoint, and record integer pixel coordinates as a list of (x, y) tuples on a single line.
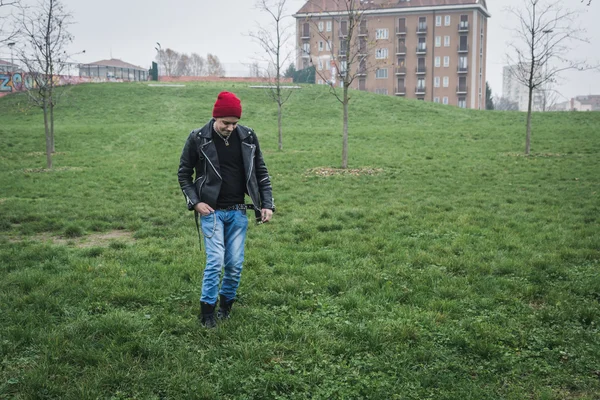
[(129, 30)]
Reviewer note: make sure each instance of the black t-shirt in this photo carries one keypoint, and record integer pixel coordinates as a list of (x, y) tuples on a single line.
[(231, 165)]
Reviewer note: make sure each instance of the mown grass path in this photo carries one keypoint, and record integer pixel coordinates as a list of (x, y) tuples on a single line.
[(451, 267)]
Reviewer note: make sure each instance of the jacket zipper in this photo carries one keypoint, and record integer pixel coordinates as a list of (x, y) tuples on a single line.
[(211, 164), (253, 147)]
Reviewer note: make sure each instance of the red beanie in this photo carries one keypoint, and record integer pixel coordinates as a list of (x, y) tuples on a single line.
[(227, 105)]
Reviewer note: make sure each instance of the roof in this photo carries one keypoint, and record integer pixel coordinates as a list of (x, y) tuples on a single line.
[(319, 6), (114, 62), (2, 62)]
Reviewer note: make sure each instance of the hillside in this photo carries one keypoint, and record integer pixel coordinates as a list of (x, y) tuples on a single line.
[(444, 265)]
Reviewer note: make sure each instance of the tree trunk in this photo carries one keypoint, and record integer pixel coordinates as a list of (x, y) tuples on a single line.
[(279, 117), (528, 135), (48, 139), (53, 149), (345, 132)]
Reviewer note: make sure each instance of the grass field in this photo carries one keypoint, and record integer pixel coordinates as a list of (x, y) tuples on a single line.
[(457, 269)]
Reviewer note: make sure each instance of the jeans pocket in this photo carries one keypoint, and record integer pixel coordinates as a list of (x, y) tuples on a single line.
[(209, 224)]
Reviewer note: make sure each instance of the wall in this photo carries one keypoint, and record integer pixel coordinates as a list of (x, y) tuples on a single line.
[(20, 81)]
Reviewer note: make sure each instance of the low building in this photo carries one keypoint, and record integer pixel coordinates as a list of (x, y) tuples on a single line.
[(6, 66), (113, 69)]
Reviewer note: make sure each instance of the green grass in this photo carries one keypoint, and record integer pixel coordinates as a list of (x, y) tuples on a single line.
[(462, 270)]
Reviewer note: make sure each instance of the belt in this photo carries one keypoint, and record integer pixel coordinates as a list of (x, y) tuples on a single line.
[(237, 207)]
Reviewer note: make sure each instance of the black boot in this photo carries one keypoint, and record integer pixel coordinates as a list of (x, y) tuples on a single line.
[(207, 316), (224, 307)]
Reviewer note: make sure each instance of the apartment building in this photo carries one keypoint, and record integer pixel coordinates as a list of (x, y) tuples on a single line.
[(431, 50)]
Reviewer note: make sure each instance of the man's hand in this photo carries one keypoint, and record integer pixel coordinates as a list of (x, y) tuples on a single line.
[(203, 209), (266, 214)]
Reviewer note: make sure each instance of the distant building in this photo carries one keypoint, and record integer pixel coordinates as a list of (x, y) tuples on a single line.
[(432, 50), (114, 69), (580, 103), (6, 66), (515, 91)]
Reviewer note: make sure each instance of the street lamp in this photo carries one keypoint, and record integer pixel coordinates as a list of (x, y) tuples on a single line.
[(12, 61)]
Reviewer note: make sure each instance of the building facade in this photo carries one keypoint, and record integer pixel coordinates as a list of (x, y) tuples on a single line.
[(516, 92), (113, 69), (432, 50)]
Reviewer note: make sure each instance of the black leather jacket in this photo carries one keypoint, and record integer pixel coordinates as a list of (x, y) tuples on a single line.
[(200, 153)]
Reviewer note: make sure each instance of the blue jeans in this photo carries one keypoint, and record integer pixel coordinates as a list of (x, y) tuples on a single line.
[(224, 237)]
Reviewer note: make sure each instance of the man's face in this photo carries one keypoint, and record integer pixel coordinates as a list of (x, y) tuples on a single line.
[(226, 125)]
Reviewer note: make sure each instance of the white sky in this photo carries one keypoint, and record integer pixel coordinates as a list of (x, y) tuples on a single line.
[(129, 30)]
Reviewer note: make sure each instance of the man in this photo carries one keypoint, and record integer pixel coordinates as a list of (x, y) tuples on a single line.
[(228, 164)]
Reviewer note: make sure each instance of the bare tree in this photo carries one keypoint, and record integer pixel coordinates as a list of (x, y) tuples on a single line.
[(214, 65), (544, 33), (254, 70), (504, 104), (182, 68), (197, 64), (45, 32), (273, 40), (351, 61), (7, 33), (169, 59)]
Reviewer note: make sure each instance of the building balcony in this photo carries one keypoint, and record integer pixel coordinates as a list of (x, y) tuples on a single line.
[(463, 27), (401, 50), (421, 70), (462, 70), (401, 30), (400, 70), (463, 48), (420, 90), (421, 29), (362, 71), (422, 48), (400, 91), (342, 53), (363, 31), (342, 32), (461, 89), (305, 34)]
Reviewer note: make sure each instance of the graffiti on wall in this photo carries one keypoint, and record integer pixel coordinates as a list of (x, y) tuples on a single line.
[(12, 82)]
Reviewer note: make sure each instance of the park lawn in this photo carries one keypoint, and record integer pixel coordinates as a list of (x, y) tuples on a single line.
[(442, 265)]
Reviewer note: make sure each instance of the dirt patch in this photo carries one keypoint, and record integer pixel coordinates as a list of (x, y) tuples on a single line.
[(325, 171), (59, 169), (536, 155), (91, 240), (41, 153)]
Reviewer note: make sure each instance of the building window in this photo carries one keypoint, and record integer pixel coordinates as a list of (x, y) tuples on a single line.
[(328, 43), (447, 20), (436, 99), (437, 61), (321, 26), (320, 81), (306, 48), (446, 81), (381, 53), (462, 102), (446, 61), (328, 26), (445, 100), (438, 41), (446, 41), (381, 91), (381, 34), (438, 20), (436, 81), (381, 73), (421, 83), (321, 45)]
